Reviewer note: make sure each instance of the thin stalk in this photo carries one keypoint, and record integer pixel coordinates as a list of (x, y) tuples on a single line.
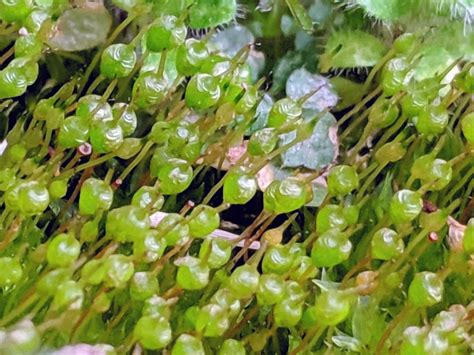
[(376, 69), (97, 56), (91, 163), (405, 312), (359, 106), (461, 183), (95, 84), (148, 145)]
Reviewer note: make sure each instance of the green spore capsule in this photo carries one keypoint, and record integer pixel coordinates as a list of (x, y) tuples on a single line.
[(173, 229), (13, 82), (73, 132), (93, 272), (148, 90), (216, 252), (15, 10), (150, 247), (216, 65), (125, 117), (175, 176), (148, 197), (425, 290), (232, 347), (29, 198), (225, 298), (467, 125), (156, 307), (35, 20), (390, 153), (143, 285), (118, 270), (244, 281), (263, 142), (187, 344), (17, 152), (166, 33), (117, 61), (330, 217), (394, 75), (212, 320), (284, 111), (405, 206), (405, 43), (190, 57), (342, 179), (192, 274), (127, 223), (203, 221), (271, 289), (63, 250), (153, 333), (28, 46), (69, 295), (48, 284), (285, 196), (383, 113), (331, 308), (58, 189), (92, 109), (437, 173), (212, 13), (414, 341), (106, 137), (96, 195), (468, 240), (305, 269), (239, 187), (331, 249), (277, 259), (386, 244), (431, 120), (45, 111), (287, 313), (12, 271), (7, 179), (202, 92)]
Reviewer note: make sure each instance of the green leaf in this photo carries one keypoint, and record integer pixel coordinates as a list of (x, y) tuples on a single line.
[(300, 14), (317, 151), (80, 28), (385, 10), (347, 343), (211, 13), (170, 7), (284, 67), (348, 91), (320, 11), (351, 49), (367, 322), (231, 39), (326, 285), (301, 82), (441, 48), (381, 203)]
